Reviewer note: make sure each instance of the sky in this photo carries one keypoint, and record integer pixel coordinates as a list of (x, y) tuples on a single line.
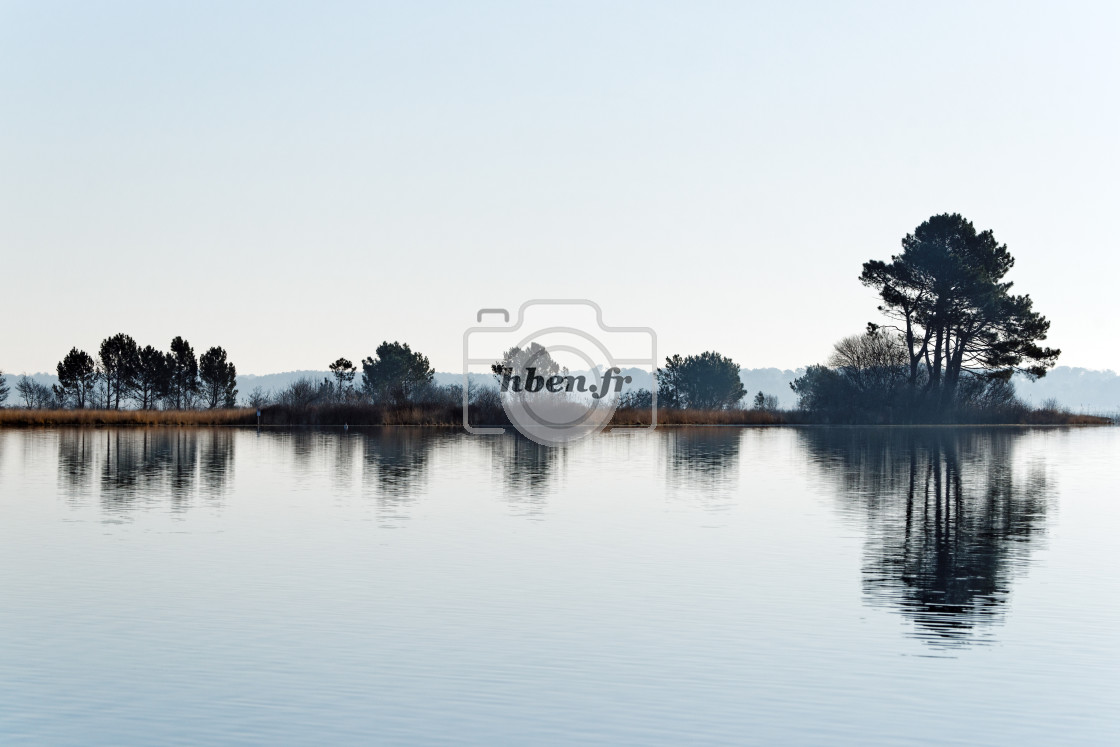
[(299, 181)]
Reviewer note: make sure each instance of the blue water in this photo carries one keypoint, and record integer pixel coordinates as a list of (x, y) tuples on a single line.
[(716, 585)]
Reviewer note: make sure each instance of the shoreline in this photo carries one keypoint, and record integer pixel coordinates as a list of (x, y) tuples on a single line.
[(441, 417)]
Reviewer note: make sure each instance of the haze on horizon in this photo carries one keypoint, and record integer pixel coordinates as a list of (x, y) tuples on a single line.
[(297, 183)]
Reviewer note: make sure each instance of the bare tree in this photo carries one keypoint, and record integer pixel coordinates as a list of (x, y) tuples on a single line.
[(873, 362), (258, 398), (302, 392), (35, 396)]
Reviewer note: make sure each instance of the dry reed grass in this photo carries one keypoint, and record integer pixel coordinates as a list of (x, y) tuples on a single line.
[(636, 417)]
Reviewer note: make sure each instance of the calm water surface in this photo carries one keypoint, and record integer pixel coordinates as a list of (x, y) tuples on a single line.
[(686, 586)]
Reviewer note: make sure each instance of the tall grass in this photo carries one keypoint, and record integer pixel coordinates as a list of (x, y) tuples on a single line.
[(356, 413), (641, 416)]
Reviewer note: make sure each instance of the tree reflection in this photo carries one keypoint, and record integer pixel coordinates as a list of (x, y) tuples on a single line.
[(75, 460), (950, 518), (216, 460), (131, 466), (701, 457), (527, 470), (396, 465)]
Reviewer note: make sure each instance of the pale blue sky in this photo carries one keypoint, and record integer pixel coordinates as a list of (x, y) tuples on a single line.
[(298, 181)]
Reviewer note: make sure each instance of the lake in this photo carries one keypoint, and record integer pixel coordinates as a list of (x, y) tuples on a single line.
[(698, 585)]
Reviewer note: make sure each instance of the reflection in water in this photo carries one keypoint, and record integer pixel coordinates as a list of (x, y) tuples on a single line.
[(701, 458), (950, 519), (950, 513), (527, 471), (396, 466), (75, 460), (144, 465), (342, 459), (216, 461)]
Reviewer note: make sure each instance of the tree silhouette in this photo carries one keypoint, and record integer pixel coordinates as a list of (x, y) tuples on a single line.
[(259, 398), (708, 381), (946, 296), (765, 402), (182, 373), (120, 363), (218, 379), (516, 362), (343, 372), (153, 377), (396, 373), (77, 377), (3, 388), (35, 396)]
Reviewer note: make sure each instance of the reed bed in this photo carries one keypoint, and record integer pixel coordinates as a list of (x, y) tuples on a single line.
[(640, 417), (359, 414)]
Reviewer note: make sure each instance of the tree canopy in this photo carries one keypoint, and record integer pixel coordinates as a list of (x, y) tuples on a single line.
[(396, 373), (708, 381), (77, 376), (182, 371), (945, 294), (218, 379), (120, 363), (343, 372)]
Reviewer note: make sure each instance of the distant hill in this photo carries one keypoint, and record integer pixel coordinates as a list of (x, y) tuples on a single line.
[(276, 381), (1079, 389), (773, 381)]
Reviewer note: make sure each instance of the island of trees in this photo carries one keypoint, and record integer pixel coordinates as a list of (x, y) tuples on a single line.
[(950, 336)]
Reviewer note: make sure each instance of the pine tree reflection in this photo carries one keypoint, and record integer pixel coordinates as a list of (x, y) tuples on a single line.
[(144, 465), (707, 458), (120, 466), (174, 456), (75, 461), (950, 518), (216, 460), (396, 465), (526, 470)]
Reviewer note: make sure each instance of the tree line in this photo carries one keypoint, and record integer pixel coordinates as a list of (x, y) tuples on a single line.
[(126, 375), (397, 376), (952, 335)]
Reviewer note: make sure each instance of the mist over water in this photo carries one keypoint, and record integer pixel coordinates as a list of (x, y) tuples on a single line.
[(732, 585)]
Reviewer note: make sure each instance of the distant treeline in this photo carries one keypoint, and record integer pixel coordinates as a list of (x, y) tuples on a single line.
[(952, 338), (396, 385)]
